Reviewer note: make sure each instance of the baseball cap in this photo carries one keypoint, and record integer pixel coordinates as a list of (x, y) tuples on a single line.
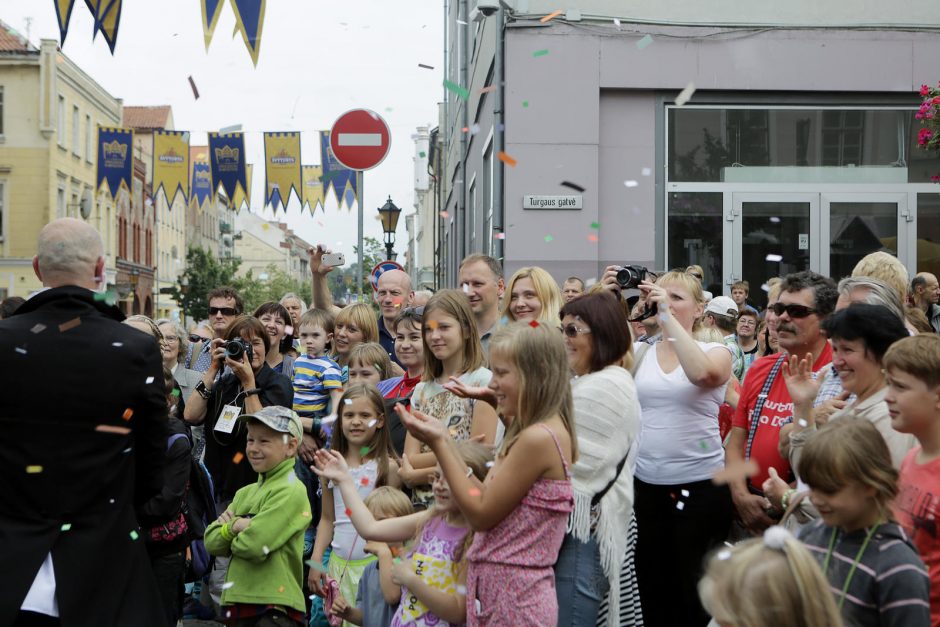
[(280, 419), (722, 306)]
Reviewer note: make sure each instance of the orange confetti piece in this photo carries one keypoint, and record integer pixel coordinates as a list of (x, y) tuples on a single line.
[(113, 429), (592, 238), (474, 491), (71, 324), (127, 414), (739, 470), (281, 589), (488, 89), (551, 16), (238, 457), (534, 324), (465, 129), (364, 481), (305, 514), (506, 159)]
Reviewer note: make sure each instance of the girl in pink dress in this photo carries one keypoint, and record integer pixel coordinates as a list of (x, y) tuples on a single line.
[(520, 513)]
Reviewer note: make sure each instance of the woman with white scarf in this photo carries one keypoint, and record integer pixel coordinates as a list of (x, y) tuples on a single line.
[(607, 418)]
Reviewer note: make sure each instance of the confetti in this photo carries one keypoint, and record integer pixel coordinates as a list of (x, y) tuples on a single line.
[(551, 16), (149, 380), (363, 451), (113, 429), (644, 42), (489, 464), (460, 92), (134, 535), (462, 590), (71, 324), (289, 330), (540, 53), (281, 589), (474, 491), (422, 154), (573, 186), (534, 324), (630, 183), (685, 95), (192, 84), (549, 238), (66, 527), (474, 129), (592, 238), (488, 89), (426, 67), (680, 506), (175, 392), (238, 457), (738, 470), (38, 328), (445, 214), (802, 422), (32, 470), (227, 585), (117, 344), (347, 401), (499, 235), (20, 350), (372, 422), (617, 23), (364, 481), (723, 554), (348, 512), (127, 414), (305, 514), (685, 493), (646, 172), (525, 104), (265, 550), (773, 258)]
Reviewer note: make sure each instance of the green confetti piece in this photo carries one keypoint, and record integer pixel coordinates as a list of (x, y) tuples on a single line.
[(66, 526), (549, 238), (540, 53), (176, 392), (595, 225), (134, 535), (398, 560), (422, 154), (364, 451), (461, 92), (703, 444), (643, 43), (525, 104)]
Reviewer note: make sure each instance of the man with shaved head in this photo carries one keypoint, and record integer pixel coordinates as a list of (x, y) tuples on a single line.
[(394, 293), (925, 293), (77, 456)]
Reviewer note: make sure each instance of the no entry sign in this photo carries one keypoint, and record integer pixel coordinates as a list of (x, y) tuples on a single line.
[(360, 139)]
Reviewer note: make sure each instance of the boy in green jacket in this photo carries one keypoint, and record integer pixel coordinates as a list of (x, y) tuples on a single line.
[(263, 528)]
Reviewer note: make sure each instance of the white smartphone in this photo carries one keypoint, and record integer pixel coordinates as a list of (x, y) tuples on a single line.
[(333, 259)]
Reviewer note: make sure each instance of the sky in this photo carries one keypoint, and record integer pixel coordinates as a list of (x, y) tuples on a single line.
[(317, 60)]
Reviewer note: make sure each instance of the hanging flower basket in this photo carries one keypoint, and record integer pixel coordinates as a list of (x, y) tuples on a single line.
[(928, 137)]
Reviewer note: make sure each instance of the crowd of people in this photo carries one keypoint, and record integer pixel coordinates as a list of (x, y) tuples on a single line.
[(510, 452)]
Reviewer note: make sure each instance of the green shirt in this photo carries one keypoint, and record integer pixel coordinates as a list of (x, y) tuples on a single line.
[(267, 557)]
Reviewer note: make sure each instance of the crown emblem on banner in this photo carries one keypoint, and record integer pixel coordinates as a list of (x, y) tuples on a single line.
[(171, 157), (283, 158), (202, 175), (114, 149), (226, 153)]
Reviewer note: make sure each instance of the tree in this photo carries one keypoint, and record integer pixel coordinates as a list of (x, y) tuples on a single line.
[(343, 280), (203, 273), (255, 291)]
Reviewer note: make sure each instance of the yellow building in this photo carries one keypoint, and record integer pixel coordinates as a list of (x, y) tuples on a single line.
[(49, 114)]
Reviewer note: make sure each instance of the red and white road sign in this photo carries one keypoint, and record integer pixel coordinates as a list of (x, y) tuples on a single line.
[(360, 139)]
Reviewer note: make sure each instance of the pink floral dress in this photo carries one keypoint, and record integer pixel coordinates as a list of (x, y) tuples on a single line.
[(510, 577)]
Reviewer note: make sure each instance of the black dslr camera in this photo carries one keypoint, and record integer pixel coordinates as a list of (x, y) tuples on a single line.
[(629, 277), (234, 349)]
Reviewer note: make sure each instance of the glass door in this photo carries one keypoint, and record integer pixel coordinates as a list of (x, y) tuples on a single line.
[(772, 234), (854, 225)]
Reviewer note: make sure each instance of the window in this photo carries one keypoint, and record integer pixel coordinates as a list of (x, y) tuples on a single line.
[(693, 216), (472, 210), (928, 233), (3, 229), (76, 131), (1, 111), (60, 203), (60, 121), (89, 140)]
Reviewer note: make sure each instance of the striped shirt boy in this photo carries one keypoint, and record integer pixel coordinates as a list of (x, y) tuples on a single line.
[(314, 379)]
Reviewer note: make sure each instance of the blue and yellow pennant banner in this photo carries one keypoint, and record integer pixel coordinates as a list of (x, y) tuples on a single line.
[(227, 162), (313, 188), (211, 10), (171, 164), (336, 175), (201, 179), (249, 21), (242, 197), (115, 159), (281, 168)]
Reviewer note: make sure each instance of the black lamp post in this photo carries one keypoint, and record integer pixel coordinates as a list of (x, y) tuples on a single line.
[(389, 214)]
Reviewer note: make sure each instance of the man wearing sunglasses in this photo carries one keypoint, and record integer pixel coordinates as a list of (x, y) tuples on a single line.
[(806, 298), (224, 306)]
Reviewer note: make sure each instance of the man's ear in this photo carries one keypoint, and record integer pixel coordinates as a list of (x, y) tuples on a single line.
[(99, 271), (500, 287), (36, 268)]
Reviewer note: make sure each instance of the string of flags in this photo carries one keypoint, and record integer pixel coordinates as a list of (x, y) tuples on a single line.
[(249, 20), (195, 173)]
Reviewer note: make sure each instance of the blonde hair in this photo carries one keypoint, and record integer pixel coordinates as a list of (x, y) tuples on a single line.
[(452, 303), (918, 356), (774, 285), (545, 288), (691, 285), (849, 451), (708, 334), (754, 585), (388, 502), (539, 356), (371, 354), (360, 316), (154, 329), (887, 268)]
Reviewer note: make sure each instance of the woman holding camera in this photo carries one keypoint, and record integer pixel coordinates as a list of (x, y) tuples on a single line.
[(247, 386)]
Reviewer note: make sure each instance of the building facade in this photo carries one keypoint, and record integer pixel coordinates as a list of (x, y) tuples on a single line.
[(420, 225), (260, 244), (209, 226), (753, 140), (50, 111)]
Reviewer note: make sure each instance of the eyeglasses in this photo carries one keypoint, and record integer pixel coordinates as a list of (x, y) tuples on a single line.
[(196, 338), (225, 311), (171, 338), (746, 322), (794, 311), (570, 330)]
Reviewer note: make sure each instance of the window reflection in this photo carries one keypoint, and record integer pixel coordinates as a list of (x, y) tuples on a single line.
[(928, 233), (695, 234)]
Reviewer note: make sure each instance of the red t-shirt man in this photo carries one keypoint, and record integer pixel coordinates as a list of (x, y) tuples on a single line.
[(777, 410)]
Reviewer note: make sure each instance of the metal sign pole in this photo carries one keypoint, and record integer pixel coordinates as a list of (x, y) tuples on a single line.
[(362, 256)]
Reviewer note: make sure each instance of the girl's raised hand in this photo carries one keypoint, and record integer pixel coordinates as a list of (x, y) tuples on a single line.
[(463, 390), (330, 465), (420, 425)]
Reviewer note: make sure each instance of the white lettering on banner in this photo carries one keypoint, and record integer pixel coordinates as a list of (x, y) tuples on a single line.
[(359, 139)]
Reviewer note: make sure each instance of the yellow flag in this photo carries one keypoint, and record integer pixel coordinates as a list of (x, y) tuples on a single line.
[(243, 196), (281, 168), (171, 164), (313, 187)]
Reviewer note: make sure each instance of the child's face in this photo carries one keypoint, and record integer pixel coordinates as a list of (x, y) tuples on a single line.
[(505, 383), (360, 422), (408, 346), (367, 374), (313, 339), (443, 335), (913, 405), (850, 508), (443, 500), (267, 448)]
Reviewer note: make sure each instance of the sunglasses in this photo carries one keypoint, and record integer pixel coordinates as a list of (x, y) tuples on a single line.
[(794, 311), (225, 311), (196, 338), (697, 276), (570, 330)]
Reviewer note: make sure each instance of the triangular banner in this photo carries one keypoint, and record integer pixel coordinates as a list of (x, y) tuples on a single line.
[(243, 196), (109, 21), (63, 13), (335, 174), (171, 165), (249, 20), (313, 188), (281, 168), (211, 10)]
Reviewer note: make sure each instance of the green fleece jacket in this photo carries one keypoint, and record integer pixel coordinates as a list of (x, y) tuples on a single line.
[(267, 557)]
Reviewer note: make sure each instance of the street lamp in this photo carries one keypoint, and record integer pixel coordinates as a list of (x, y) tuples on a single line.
[(389, 214)]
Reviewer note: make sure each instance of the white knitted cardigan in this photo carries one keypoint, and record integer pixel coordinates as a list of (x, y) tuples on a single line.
[(607, 423)]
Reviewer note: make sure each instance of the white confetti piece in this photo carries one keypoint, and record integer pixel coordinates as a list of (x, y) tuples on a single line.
[(617, 23), (466, 288), (771, 257), (149, 380), (20, 350), (723, 554), (489, 464), (227, 585), (462, 590), (630, 183), (289, 330), (38, 328), (66, 526), (685, 493), (680, 505), (802, 422), (685, 95), (118, 344), (372, 423), (348, 401), (265, 550), (646, 171), (111, 501), (590, 282)]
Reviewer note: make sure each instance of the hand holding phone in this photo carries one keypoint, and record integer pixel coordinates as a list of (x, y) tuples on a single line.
[(333, 259)]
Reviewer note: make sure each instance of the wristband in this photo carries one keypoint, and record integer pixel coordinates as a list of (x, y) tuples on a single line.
[(226, 531), (202, 390), (785, 499), (252, 392)]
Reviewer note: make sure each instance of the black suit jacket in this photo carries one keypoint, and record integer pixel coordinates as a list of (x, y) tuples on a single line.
[(83, 432)]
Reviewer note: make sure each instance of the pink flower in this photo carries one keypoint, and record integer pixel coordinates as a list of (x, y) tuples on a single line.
[(924, 90), (935, 178), (924, 136)]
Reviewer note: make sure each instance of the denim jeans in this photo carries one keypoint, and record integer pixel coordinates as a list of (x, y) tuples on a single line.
[(580, 582)]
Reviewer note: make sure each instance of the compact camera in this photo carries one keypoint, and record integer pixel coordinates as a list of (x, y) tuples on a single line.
[(234, 349)]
